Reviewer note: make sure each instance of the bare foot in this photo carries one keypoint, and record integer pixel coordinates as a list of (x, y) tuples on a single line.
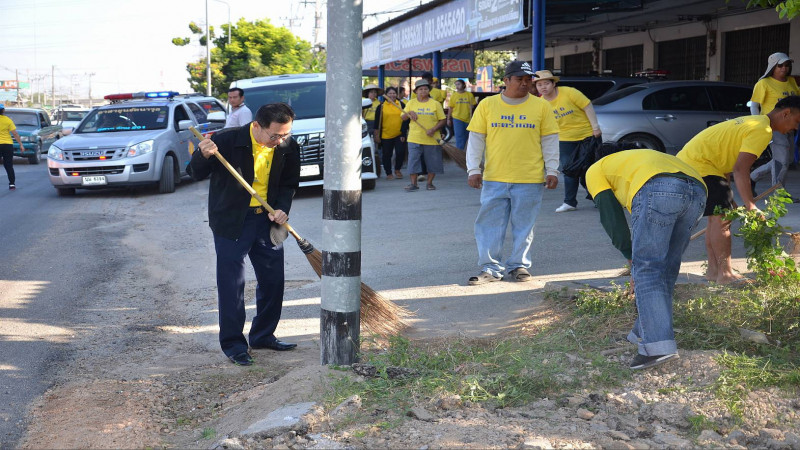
[(732, 280)]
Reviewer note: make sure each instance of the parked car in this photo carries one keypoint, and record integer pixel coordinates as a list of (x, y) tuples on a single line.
[(69, 116), (35, 130), (138, 139), (305, 93), (595, 87), (665, 115)]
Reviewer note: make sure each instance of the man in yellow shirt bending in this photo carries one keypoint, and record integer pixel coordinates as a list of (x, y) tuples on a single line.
[(665, 197), (519, 136), (731, 148)]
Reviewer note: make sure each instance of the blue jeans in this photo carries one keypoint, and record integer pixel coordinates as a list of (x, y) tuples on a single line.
[(663, 213), (565, 151), (502, 203), (460, 130)]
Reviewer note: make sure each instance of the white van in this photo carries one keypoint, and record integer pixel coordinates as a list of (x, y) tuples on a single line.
[(305, 93)]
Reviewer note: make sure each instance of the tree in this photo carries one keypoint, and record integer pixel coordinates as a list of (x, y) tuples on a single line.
[(257, 49), (788, 9), (496, 59)]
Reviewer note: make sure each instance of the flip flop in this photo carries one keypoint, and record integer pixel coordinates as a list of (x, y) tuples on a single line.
[(483, 278), (431, 187), (520, 274), (411, 188)]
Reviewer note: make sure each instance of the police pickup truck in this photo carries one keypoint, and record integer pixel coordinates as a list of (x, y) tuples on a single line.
[(138, 139)]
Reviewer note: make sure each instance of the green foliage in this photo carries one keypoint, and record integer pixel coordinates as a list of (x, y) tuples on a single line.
[(761, 233), (597, 303), (256, 49), (496, 59), (209, 433), (788, 9)]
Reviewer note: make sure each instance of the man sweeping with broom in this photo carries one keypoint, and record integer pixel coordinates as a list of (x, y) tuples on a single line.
[(266, 156)]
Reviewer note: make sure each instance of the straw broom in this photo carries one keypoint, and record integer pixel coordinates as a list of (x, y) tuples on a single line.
[(378, 314), (759, 197), (452, 151)]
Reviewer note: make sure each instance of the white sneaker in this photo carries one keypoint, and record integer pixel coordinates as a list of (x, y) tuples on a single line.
[(565, 207)]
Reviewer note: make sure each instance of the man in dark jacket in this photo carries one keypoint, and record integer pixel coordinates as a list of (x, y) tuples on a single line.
[(266, 156)]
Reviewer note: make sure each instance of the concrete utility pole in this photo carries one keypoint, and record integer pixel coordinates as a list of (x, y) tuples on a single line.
[(208, 56), (341, 210), (53, 85)]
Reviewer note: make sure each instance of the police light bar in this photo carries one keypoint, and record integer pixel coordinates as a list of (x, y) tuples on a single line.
[(130, 96)]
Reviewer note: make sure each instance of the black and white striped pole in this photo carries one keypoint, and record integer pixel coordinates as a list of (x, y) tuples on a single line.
[(341, 211)]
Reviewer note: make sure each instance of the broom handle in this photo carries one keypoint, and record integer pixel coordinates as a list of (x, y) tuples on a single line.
[(413, 120), (246, 185), (759, 197)]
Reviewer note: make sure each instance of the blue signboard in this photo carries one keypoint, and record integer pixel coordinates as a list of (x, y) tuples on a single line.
[(453, 24), (455, 64)]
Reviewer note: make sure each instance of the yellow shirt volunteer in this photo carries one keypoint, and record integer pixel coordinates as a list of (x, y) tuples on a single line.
[(438, 95), (627, 171), (514, 138), (6, 127), (429, 113), (714, 151), (573, 125), (369, 113), (262, 155), (768, 91), (390, 120), (461, 104)]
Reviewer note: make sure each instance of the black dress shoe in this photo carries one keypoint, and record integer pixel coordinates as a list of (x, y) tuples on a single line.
[(242, 359), (275, 344)]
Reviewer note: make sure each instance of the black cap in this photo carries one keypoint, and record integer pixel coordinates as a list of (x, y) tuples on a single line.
[(518, 69)]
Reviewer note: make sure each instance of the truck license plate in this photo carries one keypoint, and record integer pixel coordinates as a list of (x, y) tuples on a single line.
[(94, 181), (309, 171)]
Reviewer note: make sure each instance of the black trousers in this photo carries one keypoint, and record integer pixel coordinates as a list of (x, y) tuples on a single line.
[(389, 146), (7, 153), (267, 262)]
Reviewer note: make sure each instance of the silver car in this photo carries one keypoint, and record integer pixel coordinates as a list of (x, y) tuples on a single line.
[(665, 115), (139, 139)]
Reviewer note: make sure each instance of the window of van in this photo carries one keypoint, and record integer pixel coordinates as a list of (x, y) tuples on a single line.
[(306, 99)]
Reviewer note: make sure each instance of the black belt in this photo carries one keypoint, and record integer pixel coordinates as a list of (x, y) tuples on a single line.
[(256, 209)]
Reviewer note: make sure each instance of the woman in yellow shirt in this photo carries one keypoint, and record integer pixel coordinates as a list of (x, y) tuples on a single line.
[(428, 117), (576, 122), (459, 112), (390, 133), (777, 83)]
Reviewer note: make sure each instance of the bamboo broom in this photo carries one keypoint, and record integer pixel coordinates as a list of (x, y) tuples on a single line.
[(452, 151), (378, 314), (759, 197)]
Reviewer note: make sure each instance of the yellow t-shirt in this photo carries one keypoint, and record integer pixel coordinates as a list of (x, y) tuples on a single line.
[(262, 155), (369, 113), (627, 171), (768, 91), (573, 125), (390, 120), (514, 138), (461, 104), (438, 95), (714, 151), (429, 113), (6, 127)]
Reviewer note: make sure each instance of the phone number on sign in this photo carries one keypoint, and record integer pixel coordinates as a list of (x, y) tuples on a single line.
[(445, 26)]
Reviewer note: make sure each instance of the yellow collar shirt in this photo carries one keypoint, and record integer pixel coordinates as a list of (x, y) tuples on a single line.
[(262, 155)]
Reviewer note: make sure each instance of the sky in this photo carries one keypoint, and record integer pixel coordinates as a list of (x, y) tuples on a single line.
[(115, 46)]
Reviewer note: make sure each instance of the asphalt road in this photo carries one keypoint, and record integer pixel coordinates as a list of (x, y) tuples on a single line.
[(143, 248)]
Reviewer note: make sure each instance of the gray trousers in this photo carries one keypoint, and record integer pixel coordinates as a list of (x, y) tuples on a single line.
[(782, 147)]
